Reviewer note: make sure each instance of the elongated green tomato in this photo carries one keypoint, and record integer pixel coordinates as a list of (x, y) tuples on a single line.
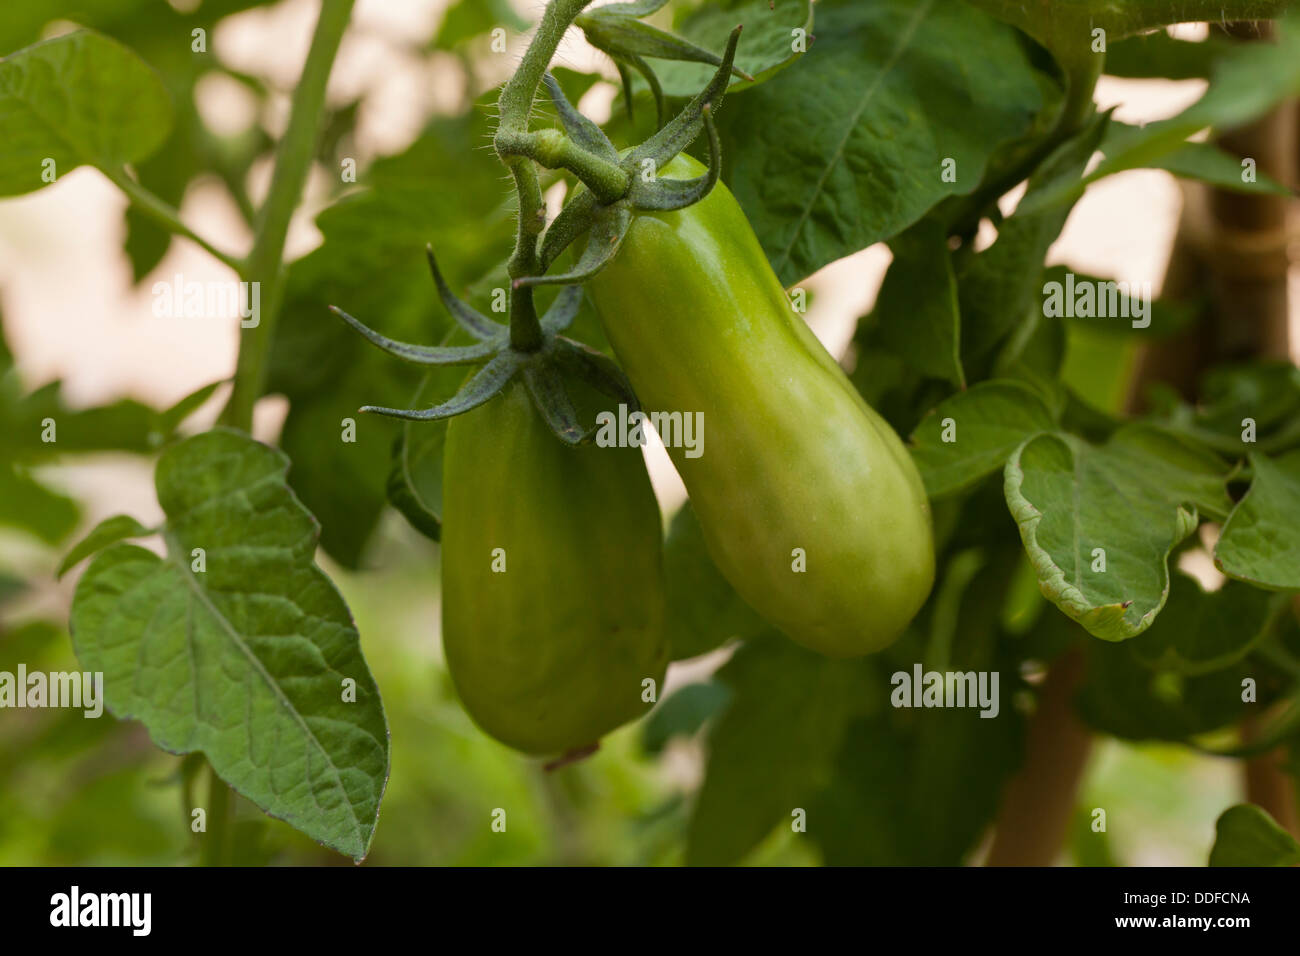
[(552, 579), (809, 503)]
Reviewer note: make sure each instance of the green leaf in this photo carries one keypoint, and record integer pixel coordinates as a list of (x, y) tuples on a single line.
[(1201, 631), (1245, 835), (1259, 400), (82, 98), (1001, 285), (124, 425), (244, 656), (168, 420), (1260, 543), (704, 611), (1158, 56), (772, 747), (466, 19), (917, 305), (825, 166), (766, 46), (1126, 503), (1207, 163), (1034, 353), (1248, 81), (919, 786), (29, 506), (1164, 318), (1066, 28), (10, 586), (109, 531), (989, 422), (683, 713)]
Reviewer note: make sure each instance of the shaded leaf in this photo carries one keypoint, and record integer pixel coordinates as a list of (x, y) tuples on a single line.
[(1001, 285), (1160, 56), (1248, 81), (1125, 698), (772, 747), (917, 305), (683, 713), (1201, 631), (704, 610)]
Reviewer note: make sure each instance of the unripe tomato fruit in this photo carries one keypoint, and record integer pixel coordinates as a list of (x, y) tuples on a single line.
[(793, 457), (549, 654)]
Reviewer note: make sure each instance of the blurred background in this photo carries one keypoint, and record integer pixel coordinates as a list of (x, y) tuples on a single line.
[(75, 309)]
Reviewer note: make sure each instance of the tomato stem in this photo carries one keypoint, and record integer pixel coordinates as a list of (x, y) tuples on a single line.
[(293, 159), (515, 109)]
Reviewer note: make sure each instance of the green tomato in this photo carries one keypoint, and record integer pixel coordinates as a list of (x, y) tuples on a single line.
[(552, 579), (810, 504)]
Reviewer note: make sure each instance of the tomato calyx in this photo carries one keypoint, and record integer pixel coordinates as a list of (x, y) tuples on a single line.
[(613, 187), (605, 222), (545, 371)]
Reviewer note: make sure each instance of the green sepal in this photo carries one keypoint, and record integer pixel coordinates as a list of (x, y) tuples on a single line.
[(485, 384), (424, 354), (580, 129), (608, 227), (552, 402), (667, 194), (563, 310), (595, 369), (470, 319), (682, 130), (574, 219)]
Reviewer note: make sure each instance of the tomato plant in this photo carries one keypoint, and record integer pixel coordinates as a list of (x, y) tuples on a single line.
[(974, 537)]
